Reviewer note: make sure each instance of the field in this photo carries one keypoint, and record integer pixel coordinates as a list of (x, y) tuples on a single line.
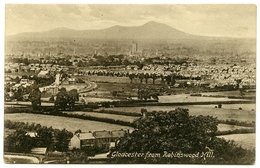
[(221, 127), (247, 107), (220, 113), (109, 83), (71, 124), (187, 98), (245, 140), (97, 99), (230, 93), (226, 127), (110, 116)]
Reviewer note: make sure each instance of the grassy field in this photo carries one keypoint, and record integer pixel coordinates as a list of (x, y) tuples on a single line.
[(110, 116), (221, 113), (226, 127), (112, 82), (71, 124), (247, 107), (98, 99), (247, 141), (187, 98), (230, 93)]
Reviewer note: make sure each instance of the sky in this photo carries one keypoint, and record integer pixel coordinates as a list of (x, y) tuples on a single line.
[(208, 20)]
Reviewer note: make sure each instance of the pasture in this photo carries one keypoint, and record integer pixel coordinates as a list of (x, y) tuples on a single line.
[(246, 141), (71, 124), (220, 113), (227, 127)]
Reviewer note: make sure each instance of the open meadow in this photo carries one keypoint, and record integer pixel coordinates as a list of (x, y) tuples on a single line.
[(71, 124), (220, 113), (247, 141)]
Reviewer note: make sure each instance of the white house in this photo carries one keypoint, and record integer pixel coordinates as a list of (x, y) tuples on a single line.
[(82, 140), (43, 73)]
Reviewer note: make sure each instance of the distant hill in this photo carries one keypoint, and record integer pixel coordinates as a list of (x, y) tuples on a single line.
[(150, 30), (117, 39)]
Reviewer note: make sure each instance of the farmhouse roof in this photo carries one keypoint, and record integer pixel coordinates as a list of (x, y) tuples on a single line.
[(118, 133), (102, 134), (83, 136)]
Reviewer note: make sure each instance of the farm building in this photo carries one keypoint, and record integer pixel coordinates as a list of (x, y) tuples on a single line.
[(82, 140), (101, 140)]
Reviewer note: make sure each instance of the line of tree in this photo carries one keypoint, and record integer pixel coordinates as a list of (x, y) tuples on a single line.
[(236, 131), (169, 79)]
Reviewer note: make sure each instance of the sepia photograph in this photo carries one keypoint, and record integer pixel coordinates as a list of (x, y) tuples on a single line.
[(129, 84)]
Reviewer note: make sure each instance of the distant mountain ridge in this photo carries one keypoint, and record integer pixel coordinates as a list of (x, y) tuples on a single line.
[(150, 30)]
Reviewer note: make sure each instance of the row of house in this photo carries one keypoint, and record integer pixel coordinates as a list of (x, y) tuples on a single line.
[(35, 68), (98, 140)]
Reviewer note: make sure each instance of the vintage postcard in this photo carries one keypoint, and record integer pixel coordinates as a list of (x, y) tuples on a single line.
[(130, 84)]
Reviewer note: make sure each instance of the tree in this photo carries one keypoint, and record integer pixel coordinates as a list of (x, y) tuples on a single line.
[(173, 79), (66, 99), (141, 77), (154, 77), (73, 96), (169, 133), (78, 131), (143, 93), (62, 138), (44, 137), (131, 77), (18, 94), (17, 80), (61, 99), (146, 77), (18, 142), (81, 64), (51, 98), (35, 97)]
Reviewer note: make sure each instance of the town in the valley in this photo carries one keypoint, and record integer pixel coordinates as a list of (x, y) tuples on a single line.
[(97, 97)]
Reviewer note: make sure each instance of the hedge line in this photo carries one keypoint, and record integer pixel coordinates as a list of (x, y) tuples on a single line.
[(88, 117), (236, 131), (222, 96), (18, 110), (119, 113), (238, 123), (57, 113)]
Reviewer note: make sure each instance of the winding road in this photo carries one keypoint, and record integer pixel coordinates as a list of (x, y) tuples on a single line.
[(90, 86)]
